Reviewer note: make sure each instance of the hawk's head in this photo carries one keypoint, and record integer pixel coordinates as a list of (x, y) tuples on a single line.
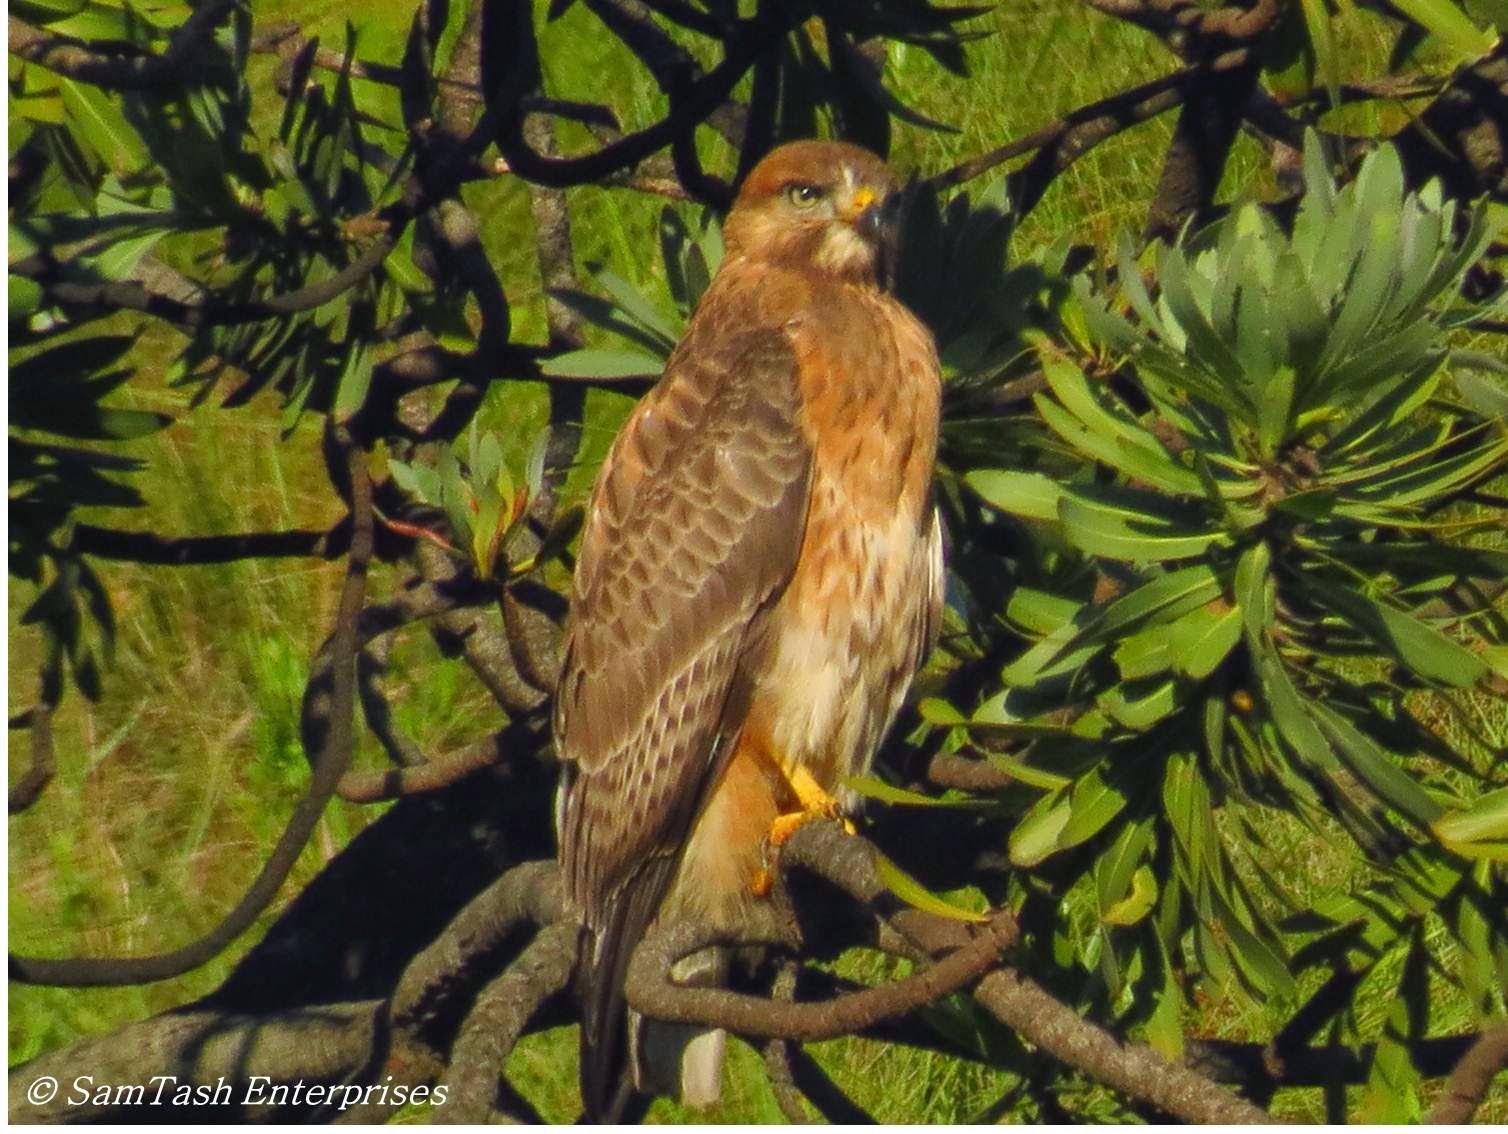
[(816, 205)]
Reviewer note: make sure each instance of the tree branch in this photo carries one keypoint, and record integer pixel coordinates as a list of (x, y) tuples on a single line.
[(184, 61), (179, 551), (499, 1017), (39, 772), (1468, 1083), (392, 783), (1059, 144), (1132, 1069)]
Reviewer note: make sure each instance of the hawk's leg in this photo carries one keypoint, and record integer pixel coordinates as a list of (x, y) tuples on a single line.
[(815, 804)]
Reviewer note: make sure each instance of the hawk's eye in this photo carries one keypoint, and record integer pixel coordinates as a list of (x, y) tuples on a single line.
[(803, 196)]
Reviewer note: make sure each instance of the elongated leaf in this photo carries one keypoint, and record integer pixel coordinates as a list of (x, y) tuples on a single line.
[(872, 787), (102, 125), (1371, 764), (1036, 836), (603, 364), (1028, 494), (1428, 652), (1479, 829), (913, 893), (1447, 22), (639, 309), (1202, 639), (1117, 534)]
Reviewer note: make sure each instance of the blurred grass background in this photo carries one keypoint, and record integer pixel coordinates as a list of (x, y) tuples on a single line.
[(173, 786)]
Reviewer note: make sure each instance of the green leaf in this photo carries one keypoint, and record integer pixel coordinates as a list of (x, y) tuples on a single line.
[(1164, 598), (1039, 612), (1033, 777), (1036, 836), (1370, 763), (1140, 710), (25, 296), (1117, 533), (639, 309), (1092, 804), (603, 364), (103, 126), (1115, 867), (936, 711), (1202, 639), (1449, 24), (872, 787), (913, 893), (1428, 652), (1028, 494), (1138, 903), (1481, 830)]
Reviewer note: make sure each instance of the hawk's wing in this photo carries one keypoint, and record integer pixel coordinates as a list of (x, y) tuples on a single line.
[(694, 529)]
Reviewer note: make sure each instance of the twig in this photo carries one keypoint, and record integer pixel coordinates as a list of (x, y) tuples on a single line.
[(777, 1053), (393, 783), (212, 310), (39, 772), (184, 61), (1063, 142), (1468, 1083), (329, 760)]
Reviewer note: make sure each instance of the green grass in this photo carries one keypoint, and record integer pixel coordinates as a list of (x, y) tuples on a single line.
[(170, 789)]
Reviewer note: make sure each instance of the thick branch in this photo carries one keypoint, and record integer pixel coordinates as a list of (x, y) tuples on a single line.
[(499, 1017), (1468, 1083), (327, 1043), (392, 783), (1132, 1069), (649, 989)]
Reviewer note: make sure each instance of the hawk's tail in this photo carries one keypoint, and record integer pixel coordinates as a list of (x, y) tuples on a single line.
[(606, 1084)]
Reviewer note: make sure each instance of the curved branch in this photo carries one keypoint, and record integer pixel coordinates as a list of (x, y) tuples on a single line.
[(650, 990), (416, 779), (1133, 1069), (529, 894), (1468, 1083), (1061, 143), (499, 1017), (329, 765), (325, 1043)]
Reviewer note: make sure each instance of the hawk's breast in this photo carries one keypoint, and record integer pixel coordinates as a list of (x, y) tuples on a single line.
[(851, 627)]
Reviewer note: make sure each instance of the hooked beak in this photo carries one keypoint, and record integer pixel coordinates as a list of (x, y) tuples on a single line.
[(865, 212), (876, 219)]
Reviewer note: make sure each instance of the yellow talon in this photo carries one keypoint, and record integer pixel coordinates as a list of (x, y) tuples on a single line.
[(815, 804)]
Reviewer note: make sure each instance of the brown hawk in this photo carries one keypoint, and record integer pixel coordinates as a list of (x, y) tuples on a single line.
[(760, 575)]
